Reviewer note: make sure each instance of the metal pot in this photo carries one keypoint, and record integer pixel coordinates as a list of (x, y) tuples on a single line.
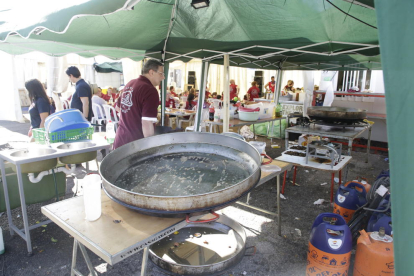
[(328, 113), (141, 194), (198, 254)]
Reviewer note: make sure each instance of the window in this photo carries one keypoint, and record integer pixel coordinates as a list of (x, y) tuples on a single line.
[(351, 79)]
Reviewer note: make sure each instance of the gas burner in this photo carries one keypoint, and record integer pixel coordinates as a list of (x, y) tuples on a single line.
[(303, 121)]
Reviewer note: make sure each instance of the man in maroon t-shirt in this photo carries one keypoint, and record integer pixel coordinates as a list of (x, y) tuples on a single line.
[(139, 105)]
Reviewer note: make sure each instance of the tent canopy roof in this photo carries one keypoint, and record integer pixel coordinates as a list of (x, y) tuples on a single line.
[(296, 34)]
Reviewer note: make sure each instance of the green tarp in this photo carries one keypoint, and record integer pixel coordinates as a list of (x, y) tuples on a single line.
[(108, 67), (116, 31), (396, 27)]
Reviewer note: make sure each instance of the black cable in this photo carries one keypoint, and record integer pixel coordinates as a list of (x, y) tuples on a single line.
[(351, 15)]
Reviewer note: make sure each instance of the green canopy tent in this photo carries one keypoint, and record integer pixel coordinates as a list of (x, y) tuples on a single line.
[(268, 34), (264, 34)]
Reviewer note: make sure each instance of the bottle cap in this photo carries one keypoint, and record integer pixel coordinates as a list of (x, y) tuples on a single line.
[(109, 121)]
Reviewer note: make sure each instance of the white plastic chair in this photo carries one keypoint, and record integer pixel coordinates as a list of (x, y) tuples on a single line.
[(65, 104), (190, 120), (98, 115), (204, 116), (107, 108), (183, 99)]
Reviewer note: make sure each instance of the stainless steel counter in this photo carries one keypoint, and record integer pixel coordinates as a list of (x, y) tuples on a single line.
[(7, 155)]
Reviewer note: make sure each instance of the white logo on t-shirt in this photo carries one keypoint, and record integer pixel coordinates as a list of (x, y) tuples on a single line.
[(126, 101)]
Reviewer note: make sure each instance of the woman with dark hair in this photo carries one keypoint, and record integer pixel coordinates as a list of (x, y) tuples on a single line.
[(40, 107), (190, 101)]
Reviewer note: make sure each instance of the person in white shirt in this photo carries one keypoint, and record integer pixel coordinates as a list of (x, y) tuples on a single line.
[(96, 99)]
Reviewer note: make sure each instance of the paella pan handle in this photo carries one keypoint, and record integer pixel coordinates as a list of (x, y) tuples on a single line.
[(268, 157), (216, 217)]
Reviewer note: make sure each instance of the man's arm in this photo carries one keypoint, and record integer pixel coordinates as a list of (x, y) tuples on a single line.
[(85, 106), (267, 86), (147, 128)]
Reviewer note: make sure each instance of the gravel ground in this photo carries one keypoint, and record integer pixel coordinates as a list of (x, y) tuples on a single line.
[(276, 255)]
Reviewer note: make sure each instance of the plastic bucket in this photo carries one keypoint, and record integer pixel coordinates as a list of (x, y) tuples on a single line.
[(249, 116), (72, 119)]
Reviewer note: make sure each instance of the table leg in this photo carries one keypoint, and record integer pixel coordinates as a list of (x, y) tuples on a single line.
[(87, 260), (350, 146), (254, 133), (97, 164), (286, 139), (248, 198), (284, 182), (340, 178), (332, 186), (279, 220), (369, 143), (294, 175), (73, 270), (280, 128), (24, 210), (144, 262), (6, 196), (87, 166)]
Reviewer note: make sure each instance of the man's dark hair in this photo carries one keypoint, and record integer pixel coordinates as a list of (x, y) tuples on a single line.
[(74, 71), (218, 97), (151, 64)]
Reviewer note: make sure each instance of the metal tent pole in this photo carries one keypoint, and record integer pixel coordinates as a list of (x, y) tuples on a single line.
[(226, 100), (278, 85), (201, 96), (164, 92)]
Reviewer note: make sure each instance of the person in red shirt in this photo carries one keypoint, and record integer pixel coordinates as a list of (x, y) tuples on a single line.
[(253, 92), (271, 85), (110, 94), (172, 91), (190, 101), (234, 90), (139, 105), (207, 94), (170, 102)]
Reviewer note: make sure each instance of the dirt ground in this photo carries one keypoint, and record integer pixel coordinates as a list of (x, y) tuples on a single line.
[(276, 255)]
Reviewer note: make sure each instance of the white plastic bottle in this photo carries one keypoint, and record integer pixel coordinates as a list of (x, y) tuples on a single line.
[(1, 242), (110, 132), (92, 196)]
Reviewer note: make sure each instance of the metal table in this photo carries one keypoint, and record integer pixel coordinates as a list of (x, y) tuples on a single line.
[(318, 166), (118, 234), (238, 123), (347, 133), (266, 176), (18, 161)]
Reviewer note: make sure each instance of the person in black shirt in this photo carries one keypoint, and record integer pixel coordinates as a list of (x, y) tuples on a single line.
[(82, 98), (40, 107)]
